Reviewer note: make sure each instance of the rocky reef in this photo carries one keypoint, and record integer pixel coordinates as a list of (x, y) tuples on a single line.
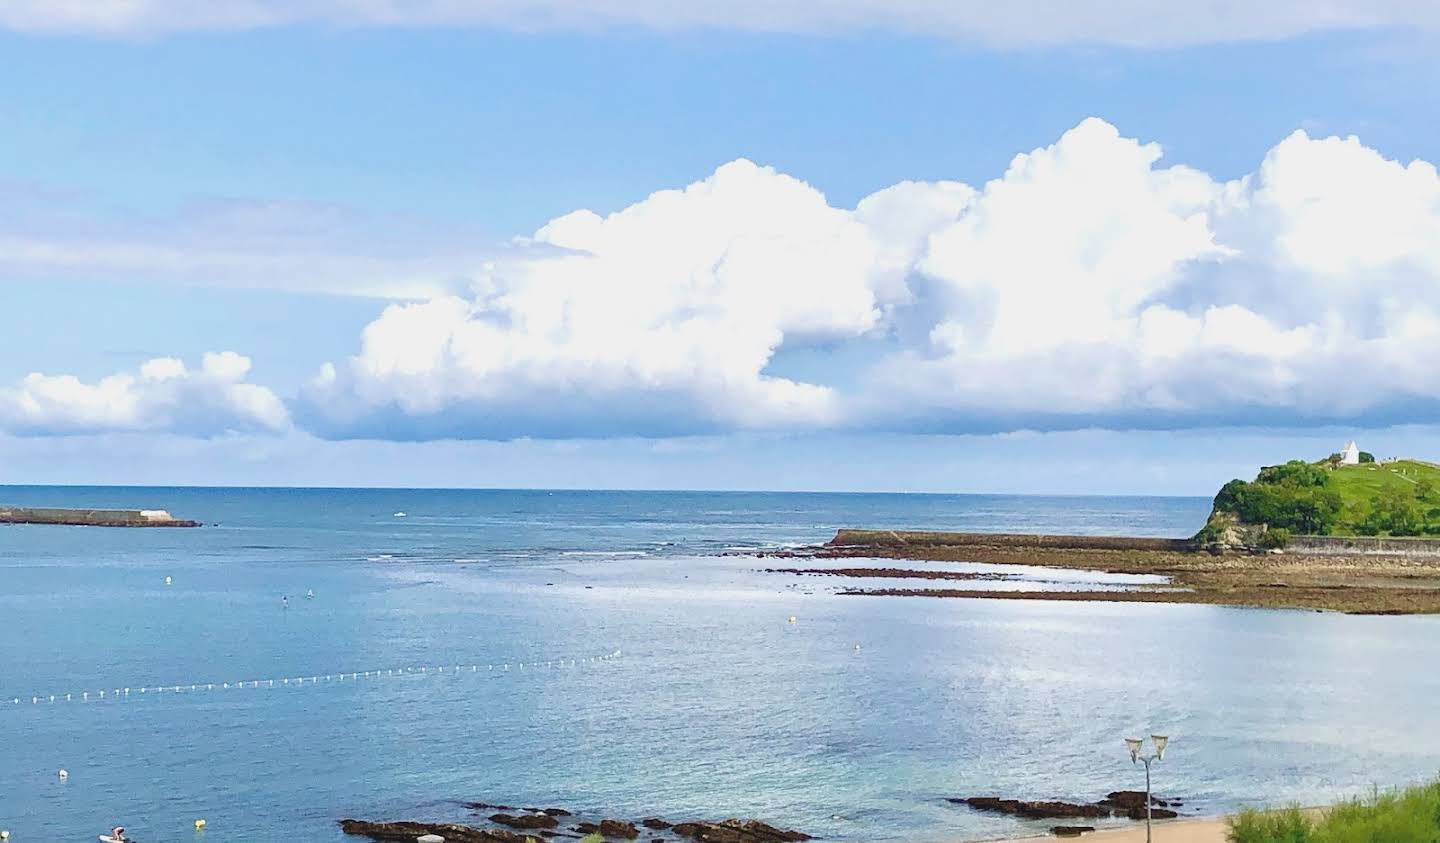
[(518, 825), (1120, 803)]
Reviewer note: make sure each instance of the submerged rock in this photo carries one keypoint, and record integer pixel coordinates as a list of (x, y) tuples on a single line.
[(655, 823)]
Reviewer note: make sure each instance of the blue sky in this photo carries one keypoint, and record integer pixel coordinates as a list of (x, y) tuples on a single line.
[(361, 211)]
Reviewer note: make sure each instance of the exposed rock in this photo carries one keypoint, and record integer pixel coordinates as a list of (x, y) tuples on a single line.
[(735, 831), (1120, 803), (1053, 810), (1155, 813), (1071, 830), (618, 828), (527, 821), (407, 832), (542, 822), (1127, 800)]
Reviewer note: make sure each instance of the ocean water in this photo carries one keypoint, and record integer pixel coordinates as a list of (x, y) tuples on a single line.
[(854, 722)]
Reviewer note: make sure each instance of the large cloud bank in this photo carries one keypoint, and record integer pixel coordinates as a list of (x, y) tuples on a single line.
[(1088, 285), (1018, 22), (164, 395)]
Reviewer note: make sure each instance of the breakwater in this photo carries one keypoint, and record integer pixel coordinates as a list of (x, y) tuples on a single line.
[(92, 517), (918, 539)]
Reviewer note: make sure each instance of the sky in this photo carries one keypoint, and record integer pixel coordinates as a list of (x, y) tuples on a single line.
[(801, 244)]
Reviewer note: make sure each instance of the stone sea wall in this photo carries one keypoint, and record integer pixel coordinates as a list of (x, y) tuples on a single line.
[(921, 539), (1364, 546)]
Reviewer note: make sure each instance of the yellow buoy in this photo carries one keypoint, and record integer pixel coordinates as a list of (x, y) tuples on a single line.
[(199, 824)]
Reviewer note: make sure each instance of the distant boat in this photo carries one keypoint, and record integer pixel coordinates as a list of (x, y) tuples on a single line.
[(399, 515)]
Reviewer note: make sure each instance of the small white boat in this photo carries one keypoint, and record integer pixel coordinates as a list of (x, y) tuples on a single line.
[(399, 515)]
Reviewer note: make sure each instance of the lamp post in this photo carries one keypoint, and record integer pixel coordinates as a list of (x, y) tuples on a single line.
[(1136, 745)]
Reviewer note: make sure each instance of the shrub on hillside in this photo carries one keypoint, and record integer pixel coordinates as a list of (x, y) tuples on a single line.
[(1393, 512), (1275, 538), (1366, 456)]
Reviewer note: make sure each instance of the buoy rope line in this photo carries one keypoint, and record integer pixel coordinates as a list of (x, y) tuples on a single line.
[(125, 693)]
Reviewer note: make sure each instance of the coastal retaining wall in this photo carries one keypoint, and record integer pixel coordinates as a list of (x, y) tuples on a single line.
[(1364, 546), (916, 538)]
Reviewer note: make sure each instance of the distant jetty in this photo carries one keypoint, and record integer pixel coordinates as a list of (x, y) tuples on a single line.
[(92, 517)]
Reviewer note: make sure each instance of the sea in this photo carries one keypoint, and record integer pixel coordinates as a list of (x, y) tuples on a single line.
[(315, 654)]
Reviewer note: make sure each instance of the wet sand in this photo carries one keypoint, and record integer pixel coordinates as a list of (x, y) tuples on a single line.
[(1166, 831)]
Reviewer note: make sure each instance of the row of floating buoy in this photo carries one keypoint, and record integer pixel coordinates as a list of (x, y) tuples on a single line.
[(297, 681)]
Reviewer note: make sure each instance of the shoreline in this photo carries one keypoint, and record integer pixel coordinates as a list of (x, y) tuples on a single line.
[(1364, 584), (1184, 830)]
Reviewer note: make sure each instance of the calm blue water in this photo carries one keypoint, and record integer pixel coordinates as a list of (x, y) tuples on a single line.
[(717, 707)]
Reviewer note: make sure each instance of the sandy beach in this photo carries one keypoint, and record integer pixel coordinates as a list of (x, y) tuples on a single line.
[(1199, 830)]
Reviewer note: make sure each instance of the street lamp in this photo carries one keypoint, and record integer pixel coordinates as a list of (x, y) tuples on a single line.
[(1136, 747)]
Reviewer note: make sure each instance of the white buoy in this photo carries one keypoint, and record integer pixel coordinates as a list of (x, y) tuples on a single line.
[(857, 648), (792, 619), (4, 835), (64, 774), (168, 581), (199, 825)]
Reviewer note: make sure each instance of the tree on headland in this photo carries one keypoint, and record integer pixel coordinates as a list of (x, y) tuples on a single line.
[(1291, 496), (1366, 456), (1395, 513)]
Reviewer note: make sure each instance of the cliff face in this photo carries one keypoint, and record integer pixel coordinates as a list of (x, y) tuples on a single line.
[(1224, 532)]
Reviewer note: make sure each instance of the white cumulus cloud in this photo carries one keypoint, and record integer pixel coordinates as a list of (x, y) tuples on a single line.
[(659, 318), (164, 395), (1089, 284)]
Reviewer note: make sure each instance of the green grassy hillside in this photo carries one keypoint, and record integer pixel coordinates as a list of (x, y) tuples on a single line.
[(1371, 499)]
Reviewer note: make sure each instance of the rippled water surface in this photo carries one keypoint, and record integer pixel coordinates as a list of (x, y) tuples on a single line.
[(853, 722)]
